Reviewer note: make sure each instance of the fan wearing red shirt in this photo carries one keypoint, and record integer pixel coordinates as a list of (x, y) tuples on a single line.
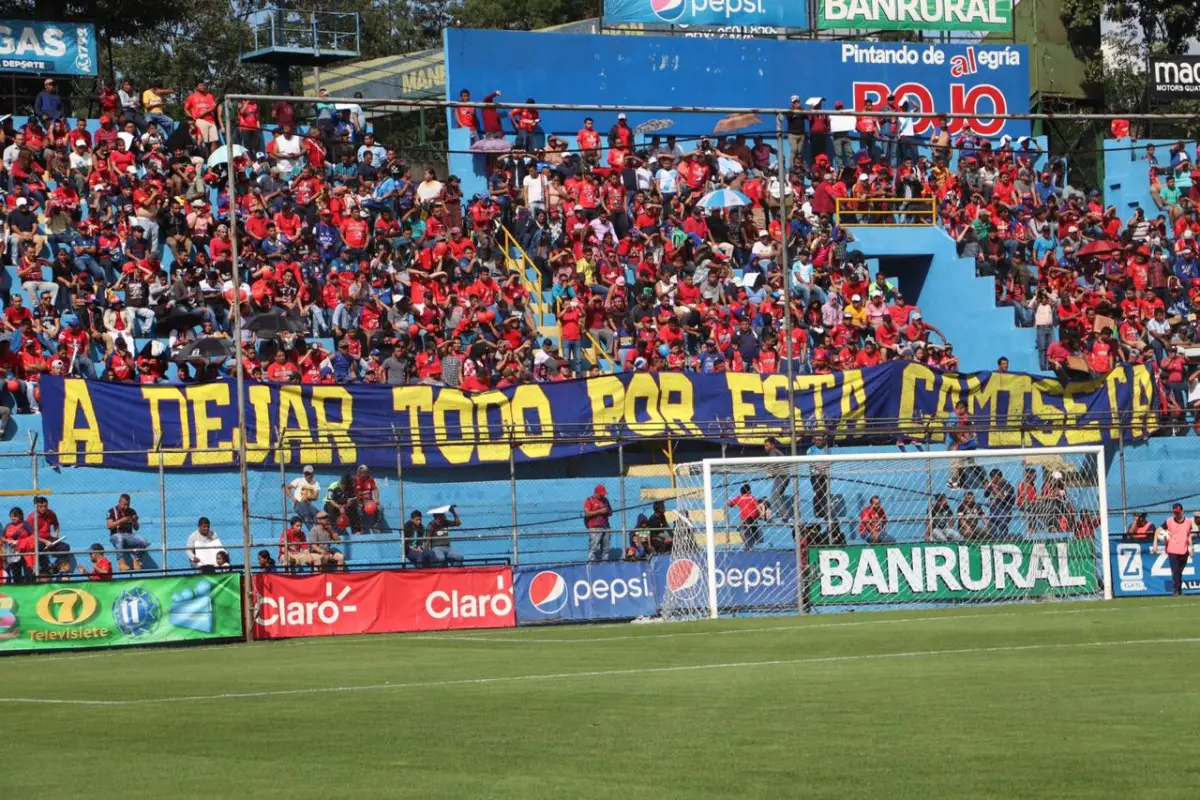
[(872, 522), (366, 490), (750, 511), (589, 142), (201, 108), (356, 233), (280, 370)]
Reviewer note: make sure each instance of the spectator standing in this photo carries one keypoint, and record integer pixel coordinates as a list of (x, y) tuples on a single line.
[(18, 541), (751, 511), (1141, 529), (1181, 536), (123, 524), (659, 530), (44, 523), (49, 104), (438, 536), (203, 546), (304, 492), (596, 514), (202, 109)]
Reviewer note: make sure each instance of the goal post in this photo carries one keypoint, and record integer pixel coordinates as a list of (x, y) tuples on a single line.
[(843, 531)]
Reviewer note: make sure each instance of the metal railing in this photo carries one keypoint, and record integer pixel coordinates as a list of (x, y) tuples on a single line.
[(887, 212), (522, 264), (519, 511)]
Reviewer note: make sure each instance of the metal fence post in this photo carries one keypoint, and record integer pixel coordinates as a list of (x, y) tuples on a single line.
[(621, 491), (1121, 468), (283, 481), (512, 488), (33, 475), (162, 500), (399, 474)]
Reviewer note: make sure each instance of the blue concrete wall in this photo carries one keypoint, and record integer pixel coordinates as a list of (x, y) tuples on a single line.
[(926, 266), (1127, 175)]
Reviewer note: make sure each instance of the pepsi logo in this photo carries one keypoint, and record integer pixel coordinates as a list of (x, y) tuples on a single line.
[(682, 575), (667, 10), (548, 592)]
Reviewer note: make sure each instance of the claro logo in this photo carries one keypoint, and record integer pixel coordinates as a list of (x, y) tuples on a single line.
[(279, 610), (458, 605)]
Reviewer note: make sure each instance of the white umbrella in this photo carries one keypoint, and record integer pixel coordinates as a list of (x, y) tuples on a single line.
[(221, 154)]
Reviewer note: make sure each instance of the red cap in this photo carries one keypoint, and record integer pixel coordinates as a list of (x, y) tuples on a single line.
[(600, 489)]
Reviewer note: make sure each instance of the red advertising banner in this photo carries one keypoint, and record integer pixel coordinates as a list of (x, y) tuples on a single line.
[(332, 604)]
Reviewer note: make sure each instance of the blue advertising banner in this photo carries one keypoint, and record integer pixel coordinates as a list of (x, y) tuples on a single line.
[(47, 48), (745, 580), (97, 423), (780, 13), (584, 592), (1136, 572), (622, 71)]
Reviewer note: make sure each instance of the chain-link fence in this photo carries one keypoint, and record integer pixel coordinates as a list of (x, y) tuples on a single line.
[(511, 510)]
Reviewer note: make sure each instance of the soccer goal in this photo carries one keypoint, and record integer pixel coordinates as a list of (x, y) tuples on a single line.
[(839, 532)]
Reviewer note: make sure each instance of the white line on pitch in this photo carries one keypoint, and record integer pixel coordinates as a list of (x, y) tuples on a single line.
[(607, 673)]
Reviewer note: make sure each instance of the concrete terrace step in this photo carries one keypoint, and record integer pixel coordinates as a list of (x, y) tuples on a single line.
[(648, 471)]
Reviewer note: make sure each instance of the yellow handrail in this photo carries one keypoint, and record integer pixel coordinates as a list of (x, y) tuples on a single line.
[(921, 212), (522, 268)]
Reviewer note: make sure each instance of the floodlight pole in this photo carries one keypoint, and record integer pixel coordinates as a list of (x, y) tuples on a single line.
[(240, 383)]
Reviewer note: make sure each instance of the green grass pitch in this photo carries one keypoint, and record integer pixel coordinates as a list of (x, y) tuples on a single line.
[(1066, 700)]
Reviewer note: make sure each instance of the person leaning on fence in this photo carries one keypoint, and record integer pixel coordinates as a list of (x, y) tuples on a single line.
[(438, 533), (416, 544), (122, 526), (304, 492), (1141, 529), (265, 562), (1180, 534), (596, 513), (102, 569), (661, 532)]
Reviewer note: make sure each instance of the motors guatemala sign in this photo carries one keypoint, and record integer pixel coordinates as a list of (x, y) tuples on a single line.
[(47, 48), (56, 616), (1174, 78), (915, 15), (782, 13), (925, 572)]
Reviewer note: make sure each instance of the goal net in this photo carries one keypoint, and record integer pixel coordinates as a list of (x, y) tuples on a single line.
[(840, 532)]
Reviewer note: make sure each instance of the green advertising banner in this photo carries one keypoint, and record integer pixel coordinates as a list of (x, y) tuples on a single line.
[(54, 616), (915, 15), (933, 572)]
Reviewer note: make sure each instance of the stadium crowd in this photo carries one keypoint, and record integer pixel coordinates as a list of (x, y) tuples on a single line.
[(656, 256)]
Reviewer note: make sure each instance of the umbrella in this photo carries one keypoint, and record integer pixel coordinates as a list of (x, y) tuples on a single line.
[(1101, 248), (490, 146), (209, 349), (735, 122), (653, 126), (177, 320), (221, 154), (723, 198), (275, 323)]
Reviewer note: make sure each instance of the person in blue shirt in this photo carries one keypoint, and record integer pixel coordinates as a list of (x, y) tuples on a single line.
[(1046, 242), (1045, 188), (345, 367), (378, 153), (48, 104), (327, 237), (346, 316), (83, 247), (274, 244), (1186, 265), (710, 359)]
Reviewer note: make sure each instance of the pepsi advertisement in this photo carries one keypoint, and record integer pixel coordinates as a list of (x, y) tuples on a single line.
[(1137, 572), (585, 592), (779, 13), (609, 590), (761, 579)]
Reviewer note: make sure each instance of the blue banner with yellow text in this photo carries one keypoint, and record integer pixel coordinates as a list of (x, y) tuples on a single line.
[(115, 425), (47, 48)]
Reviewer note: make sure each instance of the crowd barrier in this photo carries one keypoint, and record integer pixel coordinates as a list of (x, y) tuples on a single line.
[(210, 608)]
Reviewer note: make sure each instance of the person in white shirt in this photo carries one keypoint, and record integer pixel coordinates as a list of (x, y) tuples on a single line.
[(304, 492), (764, 249), (534, 188), (13, 151), (287, 150), (429, 189), (667, 176), (203, 546), (80, 158)]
